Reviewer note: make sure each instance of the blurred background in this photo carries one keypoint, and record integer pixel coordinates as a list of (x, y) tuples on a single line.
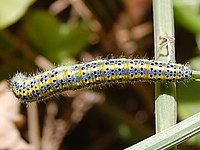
[(37, 35)]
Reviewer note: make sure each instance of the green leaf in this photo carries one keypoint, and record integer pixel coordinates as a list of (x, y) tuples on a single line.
[(12, 10), (75, 39), (43, 30), (56, 40)]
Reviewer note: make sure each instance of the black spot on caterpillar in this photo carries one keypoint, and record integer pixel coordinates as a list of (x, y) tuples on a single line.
[(94, 73)]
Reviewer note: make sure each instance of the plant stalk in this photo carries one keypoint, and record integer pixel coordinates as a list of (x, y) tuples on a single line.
[(165, 93)]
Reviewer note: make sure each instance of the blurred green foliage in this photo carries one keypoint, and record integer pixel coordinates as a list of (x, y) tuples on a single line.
[(54, 39), (5, 44), (187, 14), (189, 98), (12, 10)]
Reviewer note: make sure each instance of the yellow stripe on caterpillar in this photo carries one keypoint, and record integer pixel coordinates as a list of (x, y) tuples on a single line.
[(98, 72)]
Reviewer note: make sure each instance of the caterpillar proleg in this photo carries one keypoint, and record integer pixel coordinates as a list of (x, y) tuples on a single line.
[(94, 73)]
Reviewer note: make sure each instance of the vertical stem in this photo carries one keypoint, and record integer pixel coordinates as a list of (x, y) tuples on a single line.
[(163, 24), (165, 104)]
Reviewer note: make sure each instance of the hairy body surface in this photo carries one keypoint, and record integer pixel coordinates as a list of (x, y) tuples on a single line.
[(94, 73)]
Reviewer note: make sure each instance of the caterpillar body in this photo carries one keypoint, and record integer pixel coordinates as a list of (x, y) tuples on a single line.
[(86, 75)]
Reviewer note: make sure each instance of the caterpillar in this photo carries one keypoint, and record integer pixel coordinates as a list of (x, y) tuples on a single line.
[(86, 75)]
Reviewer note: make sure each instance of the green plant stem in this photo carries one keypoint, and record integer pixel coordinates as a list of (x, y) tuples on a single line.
[(171, 136), (196, 74), (165, 104)]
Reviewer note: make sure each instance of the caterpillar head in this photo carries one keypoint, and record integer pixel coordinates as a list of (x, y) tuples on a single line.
[(18, 86)]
